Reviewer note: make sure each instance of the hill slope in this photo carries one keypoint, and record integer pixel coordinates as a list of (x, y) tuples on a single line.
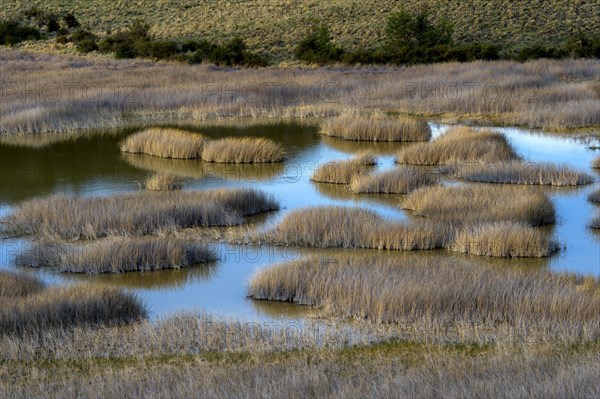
[(274, 26)]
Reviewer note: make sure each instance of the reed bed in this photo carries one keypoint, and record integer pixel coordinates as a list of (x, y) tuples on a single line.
[(342, 172), (243, 150), (165, 143), (376, 127), (388, 371), (594, 196), (344, 227), (116, 255), (139, 213), (481, 203), (163, 182), (459, 145), (596, 163), (159, 92), (504, 239), (41, 308), (517, 172), (391, 291), (401, 180)]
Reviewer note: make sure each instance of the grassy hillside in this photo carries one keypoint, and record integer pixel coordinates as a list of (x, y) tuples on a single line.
[(273, 27)]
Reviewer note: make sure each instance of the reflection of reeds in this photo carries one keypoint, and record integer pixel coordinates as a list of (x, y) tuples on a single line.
[(179, 167), (243, 150), (162, 182), (165, 143), (401, 180), (116, 255), (504, 239), (376, 127), (374, 147), (138, 213), (63, 307), (594, 196), (392, 291), (342, 172), (481, 203), (516, 172), (461, 144)]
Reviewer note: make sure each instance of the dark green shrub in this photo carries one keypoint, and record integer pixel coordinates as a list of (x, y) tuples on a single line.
[(71, 21), (13, 32), (317, 47)]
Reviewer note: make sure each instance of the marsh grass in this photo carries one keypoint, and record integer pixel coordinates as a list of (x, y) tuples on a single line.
[(459, 145), (165, 143), (504, 239), (342, 172), (481, 203), (163, 182), (344, 227), (594, 196), (392, 291), (595, 223), (517, 172), (376, 127), (139, 213), (14, 285), (38, 308), (116, 255), (596, 163), (243, 150), (400, 180)]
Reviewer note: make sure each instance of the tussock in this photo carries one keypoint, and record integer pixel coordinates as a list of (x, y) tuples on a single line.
[(117, 255), (63, 307), (243, 150), (139, 213), (482, 203), (459, 145), (344, 227), (596, 163), (163, 182), (401, 180), (595, 223), (524, 173), (392, 291), (342, 172), (376, 127), (504, 239), (165, 143), (14, 285)]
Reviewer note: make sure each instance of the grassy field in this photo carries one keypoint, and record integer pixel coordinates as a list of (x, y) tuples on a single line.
[(274, 27)]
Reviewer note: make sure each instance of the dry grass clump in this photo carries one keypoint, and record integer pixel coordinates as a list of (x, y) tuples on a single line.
[(392, 291), (162, 182), (36, 308), (458, 145), (138, 213), (594, 196), (117, 255), (243, 150), (504, 239), (342, 172), (481, 203), (343, 227), (376, 127), (400, 180), (165, 143), (596, 163), (517, 172), (14, 285)]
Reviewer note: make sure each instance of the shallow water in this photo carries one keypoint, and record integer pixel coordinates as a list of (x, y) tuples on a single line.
[(93, 166)]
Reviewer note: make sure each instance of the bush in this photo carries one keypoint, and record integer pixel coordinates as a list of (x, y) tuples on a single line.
[(317, 47), (13, 32), (84, 40)]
